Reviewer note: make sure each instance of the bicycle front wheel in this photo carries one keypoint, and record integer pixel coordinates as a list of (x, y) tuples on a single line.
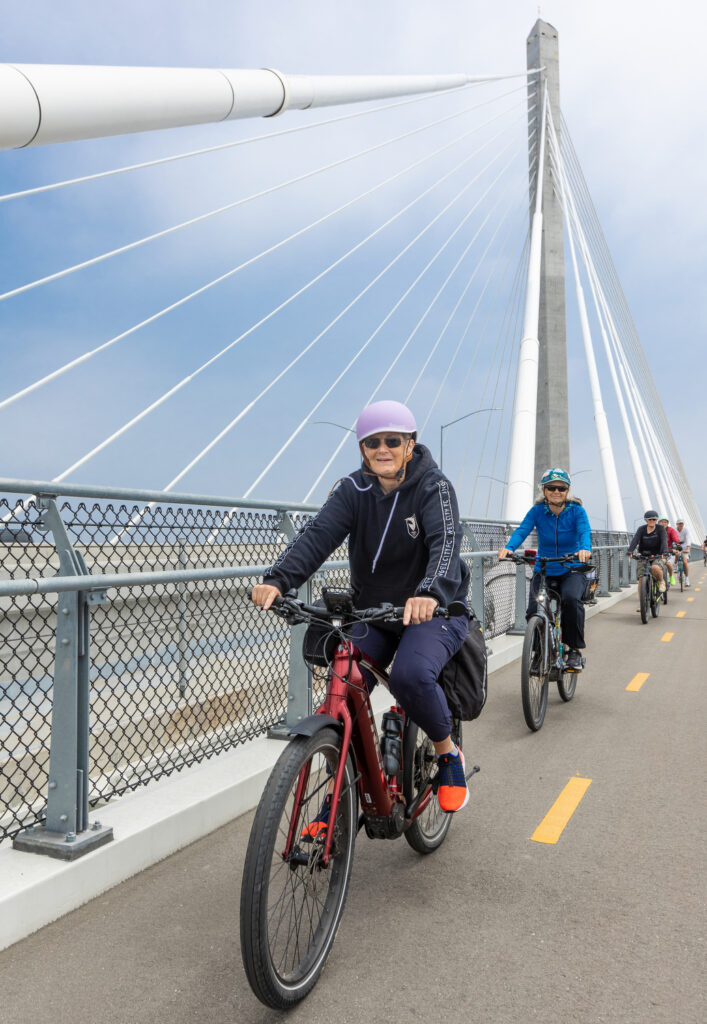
[(644, 598), (291, 905), (655, 599), (533, 674), (429, 830)]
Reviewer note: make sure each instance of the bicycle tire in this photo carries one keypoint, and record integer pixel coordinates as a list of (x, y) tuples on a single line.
[(682, 582), (664, 595), (429, 830), (655, 599), (290, 911), (566, 685), (644, 599), (533, 678)]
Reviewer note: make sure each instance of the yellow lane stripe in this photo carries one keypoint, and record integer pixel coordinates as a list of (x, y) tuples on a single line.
[(552, 826), (680, 615), (698, 589), (667, 637), (691, 599), (637, 682)]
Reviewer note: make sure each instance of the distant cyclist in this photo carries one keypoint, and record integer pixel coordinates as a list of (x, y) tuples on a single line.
[(673, 542), (650, 540), (684, 535), (704, 550), (562, 526)]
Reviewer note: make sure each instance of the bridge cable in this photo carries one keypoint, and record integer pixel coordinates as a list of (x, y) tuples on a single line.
[(204, 366), (234, 270), (381, 325), (405, 345), (246, 409), (228, 206)]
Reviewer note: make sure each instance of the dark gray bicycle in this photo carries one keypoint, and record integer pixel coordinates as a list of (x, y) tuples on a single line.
[(544, 655)]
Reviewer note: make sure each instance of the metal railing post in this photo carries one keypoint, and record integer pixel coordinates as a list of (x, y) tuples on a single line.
[(603, 586), (477, 590), (299, 677), (182, 625), (614, 582), (518, 628), (66, 834)]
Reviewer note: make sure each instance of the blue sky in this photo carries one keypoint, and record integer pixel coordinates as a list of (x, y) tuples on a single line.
[(632, 95)]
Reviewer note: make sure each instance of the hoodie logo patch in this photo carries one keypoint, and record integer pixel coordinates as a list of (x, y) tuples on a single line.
[(413, 528)]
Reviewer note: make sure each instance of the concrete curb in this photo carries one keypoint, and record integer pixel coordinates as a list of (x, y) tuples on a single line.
[(156, 821)]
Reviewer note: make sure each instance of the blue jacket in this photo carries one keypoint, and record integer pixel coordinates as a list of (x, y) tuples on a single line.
[(557, 535)]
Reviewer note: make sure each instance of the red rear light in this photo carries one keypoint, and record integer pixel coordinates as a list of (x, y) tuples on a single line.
[(529, 552)]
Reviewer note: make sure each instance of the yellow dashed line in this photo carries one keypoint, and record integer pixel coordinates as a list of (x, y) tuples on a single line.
[(698, 589), (637, 682), (691, 599), (552, 826), (667, 637), (680, 615)]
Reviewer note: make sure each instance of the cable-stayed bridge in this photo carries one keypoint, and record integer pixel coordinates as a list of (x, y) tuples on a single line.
[(208, 320)]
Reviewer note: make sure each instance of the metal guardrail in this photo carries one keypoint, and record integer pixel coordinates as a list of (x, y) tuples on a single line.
[(100, 694)]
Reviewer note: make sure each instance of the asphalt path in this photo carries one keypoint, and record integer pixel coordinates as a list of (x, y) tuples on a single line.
[(605, 925)]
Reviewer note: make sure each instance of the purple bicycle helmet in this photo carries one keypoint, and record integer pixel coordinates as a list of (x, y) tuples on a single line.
[(382, 416)]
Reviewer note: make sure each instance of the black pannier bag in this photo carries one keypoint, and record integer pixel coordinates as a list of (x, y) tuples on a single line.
[(464, 678), (591, 579)]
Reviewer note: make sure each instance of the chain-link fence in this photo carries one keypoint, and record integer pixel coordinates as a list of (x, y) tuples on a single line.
[(179, 670)]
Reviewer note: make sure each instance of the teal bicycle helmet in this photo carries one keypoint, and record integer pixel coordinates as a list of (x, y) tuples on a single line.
[(551, 475)]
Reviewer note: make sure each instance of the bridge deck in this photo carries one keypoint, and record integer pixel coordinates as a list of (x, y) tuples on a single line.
[(496, 928)]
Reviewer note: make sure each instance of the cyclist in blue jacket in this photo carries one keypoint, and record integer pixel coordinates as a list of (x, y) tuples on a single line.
[(562, 527)]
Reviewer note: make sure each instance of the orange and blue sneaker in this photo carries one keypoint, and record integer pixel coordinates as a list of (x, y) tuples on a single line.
[(453, 793), (317, 827)]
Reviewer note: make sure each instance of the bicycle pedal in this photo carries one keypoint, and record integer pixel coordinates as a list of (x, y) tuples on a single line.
[(473, 771)]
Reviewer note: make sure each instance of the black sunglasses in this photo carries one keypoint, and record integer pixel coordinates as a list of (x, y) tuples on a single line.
[(375, 442), (556, 487)]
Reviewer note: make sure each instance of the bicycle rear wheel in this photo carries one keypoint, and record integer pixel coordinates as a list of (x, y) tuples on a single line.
[(533, 675), (429, 830), (567, 684), (682, 580), (644, 598), (291, 906)]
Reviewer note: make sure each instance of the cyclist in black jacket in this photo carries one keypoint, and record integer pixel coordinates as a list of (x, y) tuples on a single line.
[(650, 539), (400, 515)]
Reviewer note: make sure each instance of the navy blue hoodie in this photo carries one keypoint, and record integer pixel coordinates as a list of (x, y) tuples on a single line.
[(401, 544)]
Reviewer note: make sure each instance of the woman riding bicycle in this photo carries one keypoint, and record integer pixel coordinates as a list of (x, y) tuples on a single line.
[(651, 541), (562, 527), (400, 515)]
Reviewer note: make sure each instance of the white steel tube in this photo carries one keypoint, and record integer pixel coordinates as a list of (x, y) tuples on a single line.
[(603, 314), (48, 103), (521, 466), (617, 518)]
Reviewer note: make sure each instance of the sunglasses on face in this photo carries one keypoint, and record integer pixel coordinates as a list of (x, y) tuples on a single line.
[(556, 487), (375, 442)]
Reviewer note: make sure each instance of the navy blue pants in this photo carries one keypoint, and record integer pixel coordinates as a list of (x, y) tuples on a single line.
[(570, 587), (420, 652)]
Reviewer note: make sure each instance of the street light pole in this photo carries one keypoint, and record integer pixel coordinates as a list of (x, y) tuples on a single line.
[(458, 420)]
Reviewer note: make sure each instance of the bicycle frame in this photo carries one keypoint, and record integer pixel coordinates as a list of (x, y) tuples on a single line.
[(348, 702), (548, 604)]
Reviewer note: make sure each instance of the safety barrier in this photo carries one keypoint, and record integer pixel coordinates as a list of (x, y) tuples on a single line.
[(129, 648)]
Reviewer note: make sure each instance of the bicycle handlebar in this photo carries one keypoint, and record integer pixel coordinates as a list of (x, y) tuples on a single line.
[(532, 559), (296, 612)]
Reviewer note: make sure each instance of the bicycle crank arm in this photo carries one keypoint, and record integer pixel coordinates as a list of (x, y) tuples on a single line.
[(473, 771)]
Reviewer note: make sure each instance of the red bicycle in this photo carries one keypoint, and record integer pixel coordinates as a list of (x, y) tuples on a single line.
[(296, 872)]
